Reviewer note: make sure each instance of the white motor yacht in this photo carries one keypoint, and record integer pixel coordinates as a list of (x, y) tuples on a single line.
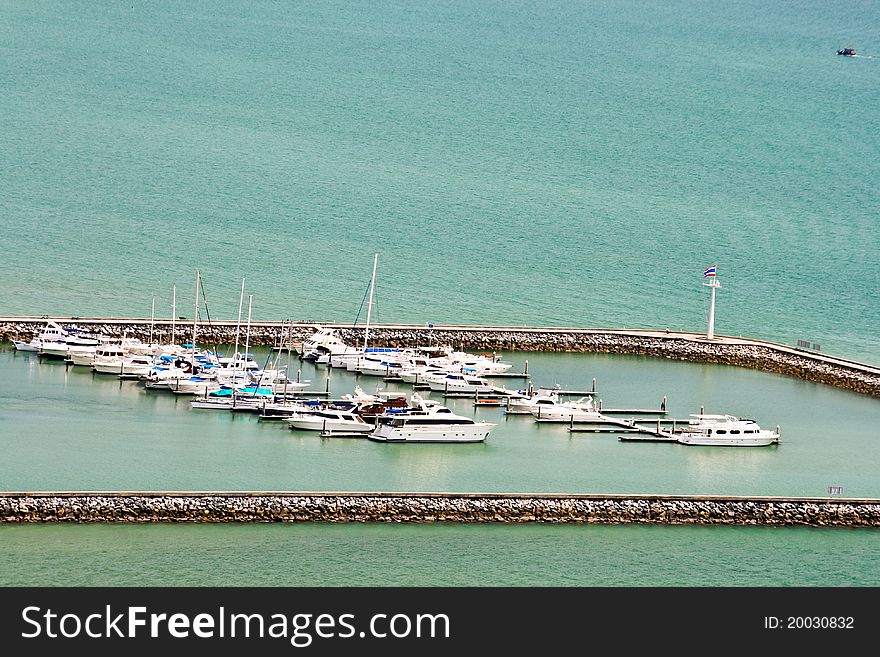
[(380, 367), (428, 422), (61, 347), (134, 365), (136, 346), (194, 385), (580, 410), (422, 375), (323, 342), (53, 332), (107, 359), (460, 384), (726, 430), (479, 364), (372, 355), (330, 419), (523, 405)]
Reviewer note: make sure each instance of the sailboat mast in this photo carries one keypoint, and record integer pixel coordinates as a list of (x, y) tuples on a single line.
[(247, 334), (173, 309), (196, 312), (370, 304), (238, 323), (152, 318)]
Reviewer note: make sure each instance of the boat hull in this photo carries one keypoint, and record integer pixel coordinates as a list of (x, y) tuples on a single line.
[(475, 433), (743, 441), (84, 359), (26, 346), (323, 424), (53, 350)]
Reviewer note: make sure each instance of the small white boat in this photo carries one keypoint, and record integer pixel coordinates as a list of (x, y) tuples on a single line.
[(580, 410), (371, 358), (53, 332), (277, 381), (330, 419), (29, 345), (478, 364), (271, 410), (61, 347), (136, 346), (194, 385), (162, 377), (524, 405), (129, 366), (460, 384), (322, 342), (422, 374), (107, 359), (232, 399), (726, 430)]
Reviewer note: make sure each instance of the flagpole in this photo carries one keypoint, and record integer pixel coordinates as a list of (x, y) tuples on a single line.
[(173, 310)]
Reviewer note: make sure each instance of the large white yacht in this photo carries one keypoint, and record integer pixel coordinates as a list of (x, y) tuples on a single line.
[(726, 430), (429, 422)]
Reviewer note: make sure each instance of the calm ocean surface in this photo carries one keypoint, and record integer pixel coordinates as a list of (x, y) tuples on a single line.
[(540, 163), (68, 429), (435, 555)]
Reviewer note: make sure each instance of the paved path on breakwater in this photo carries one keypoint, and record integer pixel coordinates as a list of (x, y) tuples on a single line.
[(728, 350), (140, 507)]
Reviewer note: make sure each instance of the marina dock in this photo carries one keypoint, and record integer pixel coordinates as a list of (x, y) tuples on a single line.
[(615, 425), (634, 411), (649, 438)]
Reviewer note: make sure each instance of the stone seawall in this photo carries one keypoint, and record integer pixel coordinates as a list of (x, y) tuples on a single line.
[(754, 354), (435, 507)]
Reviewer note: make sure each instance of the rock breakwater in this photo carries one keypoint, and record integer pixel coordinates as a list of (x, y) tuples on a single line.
[(740, 352), (435, 507)]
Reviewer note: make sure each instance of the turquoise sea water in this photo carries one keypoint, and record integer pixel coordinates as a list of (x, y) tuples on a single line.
[(70, 429), (435, 555), (542, 163)]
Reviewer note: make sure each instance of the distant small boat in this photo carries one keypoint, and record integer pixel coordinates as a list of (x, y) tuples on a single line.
[(847, 52)]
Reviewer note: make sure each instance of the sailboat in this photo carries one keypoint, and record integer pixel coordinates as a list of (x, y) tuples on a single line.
[(325, 347), (356, 359)]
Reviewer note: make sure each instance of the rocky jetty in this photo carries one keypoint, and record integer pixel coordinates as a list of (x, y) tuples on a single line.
[(740, 352), (435, 507)]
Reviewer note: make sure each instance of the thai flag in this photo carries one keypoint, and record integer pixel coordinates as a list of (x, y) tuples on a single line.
[(710, 272)]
